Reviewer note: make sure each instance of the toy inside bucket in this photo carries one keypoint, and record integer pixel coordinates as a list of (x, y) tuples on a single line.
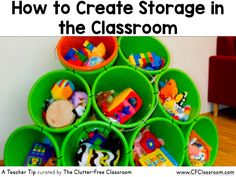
[(123, 96), (31, 146), (202, 140), (95, 143), (178, 97), (158, 142), (148, 54), (59, 100), (87, 55)]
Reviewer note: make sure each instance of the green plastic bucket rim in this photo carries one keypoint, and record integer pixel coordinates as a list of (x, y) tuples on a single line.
[(201, 118), (189, 121), (34, 128), (78, 121), (103, 117), (154, 119), (124, 58), (95, 123)]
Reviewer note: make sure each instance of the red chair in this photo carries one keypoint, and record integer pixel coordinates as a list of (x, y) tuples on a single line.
[(222, 74)]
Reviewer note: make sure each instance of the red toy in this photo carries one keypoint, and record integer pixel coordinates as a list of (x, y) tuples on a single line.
[(124, 105), (149, 141)]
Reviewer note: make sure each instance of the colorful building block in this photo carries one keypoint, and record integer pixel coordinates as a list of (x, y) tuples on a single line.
[(148, 60)]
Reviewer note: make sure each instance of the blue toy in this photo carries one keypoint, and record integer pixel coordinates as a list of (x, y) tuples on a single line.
[(39, 154), (97, 139), (149, 60)]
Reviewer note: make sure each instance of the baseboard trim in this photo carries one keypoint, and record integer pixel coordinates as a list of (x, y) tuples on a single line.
[(1, 163)]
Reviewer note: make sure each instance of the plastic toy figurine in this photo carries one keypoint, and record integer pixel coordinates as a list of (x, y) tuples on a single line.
[(39, 154), (62, 89), (124, 105), (148, 60)]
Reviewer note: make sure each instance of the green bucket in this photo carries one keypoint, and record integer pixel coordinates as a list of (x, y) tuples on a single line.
[(20, 142), (166, 130), (184, 83), (42, 91), (88, 73), (70, 144), (135, 45), (119, 78), (207, 130)]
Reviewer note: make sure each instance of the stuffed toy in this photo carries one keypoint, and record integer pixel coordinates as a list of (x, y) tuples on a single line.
[(82, 152), (175, 110), (169, 90), (98, 150), (98, 157), (79, 99)]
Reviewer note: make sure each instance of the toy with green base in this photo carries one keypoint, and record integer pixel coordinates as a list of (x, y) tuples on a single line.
[(184, 84), (41, 91), (21, 141), (70, 147), (142, 45), (168, 131), (88, 73), (119, 78), (207, 131)]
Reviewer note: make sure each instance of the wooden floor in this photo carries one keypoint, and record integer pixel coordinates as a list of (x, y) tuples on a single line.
[(226, 125)]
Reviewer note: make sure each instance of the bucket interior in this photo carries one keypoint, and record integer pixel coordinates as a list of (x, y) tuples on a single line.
[(42, 91), (71, 142), (184, 83), (76, 42), (206, 129), (136, 45), (122, 77), (20, 143), (169, 132)]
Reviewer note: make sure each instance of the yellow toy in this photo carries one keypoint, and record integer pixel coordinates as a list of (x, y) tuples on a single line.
[(93, 51), (160, 157), (62, 89)]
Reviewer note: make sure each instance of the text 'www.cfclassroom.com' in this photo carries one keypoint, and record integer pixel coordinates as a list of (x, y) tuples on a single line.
[(205, 172)]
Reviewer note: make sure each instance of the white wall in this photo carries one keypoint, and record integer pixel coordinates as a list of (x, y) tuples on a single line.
[(24, 59)]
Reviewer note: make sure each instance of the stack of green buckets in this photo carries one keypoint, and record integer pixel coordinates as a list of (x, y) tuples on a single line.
[(123, 75)]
